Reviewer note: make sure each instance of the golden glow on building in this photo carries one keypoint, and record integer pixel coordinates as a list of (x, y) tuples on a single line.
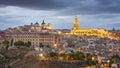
[(100, 32), (41, 55)]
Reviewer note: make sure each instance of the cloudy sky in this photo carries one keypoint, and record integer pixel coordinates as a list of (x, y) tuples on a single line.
[(60, 13)]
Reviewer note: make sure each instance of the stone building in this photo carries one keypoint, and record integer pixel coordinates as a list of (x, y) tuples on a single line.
[(34, 27), (36, 38), (100, 32), (45, 26)]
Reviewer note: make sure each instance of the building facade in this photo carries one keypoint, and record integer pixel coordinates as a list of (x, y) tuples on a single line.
[(34, 27), (36, 38), (100, 32)]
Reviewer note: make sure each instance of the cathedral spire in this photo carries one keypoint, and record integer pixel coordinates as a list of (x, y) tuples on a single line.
[(75, 26)]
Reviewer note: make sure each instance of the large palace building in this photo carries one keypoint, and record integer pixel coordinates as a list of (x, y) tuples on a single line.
[(36, 34), (100, 32), (37, 38)]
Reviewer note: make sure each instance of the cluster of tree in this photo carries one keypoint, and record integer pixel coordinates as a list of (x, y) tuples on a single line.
[(113, 58), (52, 54), (79, 56), (73, 56), (89, 60), (76, 56), (21, 43), (6, 43), (41, 45)]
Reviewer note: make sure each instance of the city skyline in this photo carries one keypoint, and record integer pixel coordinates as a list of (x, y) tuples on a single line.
[(91, 13)]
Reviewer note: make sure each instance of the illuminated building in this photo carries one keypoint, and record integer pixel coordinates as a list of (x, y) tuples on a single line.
[(34, 27), (36, 38), (45, 26), (100, 32)]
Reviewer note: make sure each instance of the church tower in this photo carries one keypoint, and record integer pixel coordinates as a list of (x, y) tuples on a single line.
[(75, 26)]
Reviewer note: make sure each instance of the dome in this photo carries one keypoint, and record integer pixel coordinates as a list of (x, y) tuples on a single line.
[(37, 23)]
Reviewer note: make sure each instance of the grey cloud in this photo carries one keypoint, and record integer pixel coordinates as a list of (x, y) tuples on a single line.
[(9, 21), (35, 4), (92, 7), (70, 7), (98, 8)]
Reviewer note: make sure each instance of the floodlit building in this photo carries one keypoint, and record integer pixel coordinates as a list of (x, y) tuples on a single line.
[(100, 32), (34, 27)]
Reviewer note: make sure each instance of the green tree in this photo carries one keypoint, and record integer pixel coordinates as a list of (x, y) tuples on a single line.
[(27, 44), (41, 45), (51, 54), (19, 43), (88, 56), (16, 43), (114, 57), (6, 43), (91, 62), (76, 56)]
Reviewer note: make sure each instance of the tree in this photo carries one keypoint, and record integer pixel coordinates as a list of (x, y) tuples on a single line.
[(113, 58), (27, 44), (41, 45), (6, 43), (19, 43), (76, 56), (51, 54), (90, 62), (16, 43), (88, 56)]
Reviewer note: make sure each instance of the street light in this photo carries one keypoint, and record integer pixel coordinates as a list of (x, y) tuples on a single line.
[(93, 58), (55, 45), (108, 61)]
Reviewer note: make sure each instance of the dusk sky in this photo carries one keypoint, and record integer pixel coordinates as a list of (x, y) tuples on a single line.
[(60, 13)]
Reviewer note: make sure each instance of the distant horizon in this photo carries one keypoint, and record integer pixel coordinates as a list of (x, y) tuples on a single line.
[(57, 28)]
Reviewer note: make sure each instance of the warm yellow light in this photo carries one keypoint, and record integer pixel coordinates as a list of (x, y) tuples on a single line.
[(105, 65), (99, 60), (88, 67), (100, 32), (60, 58), (102, 65), (93, 58), (41, 55), (59, 32), (55, 45), (108, 61)]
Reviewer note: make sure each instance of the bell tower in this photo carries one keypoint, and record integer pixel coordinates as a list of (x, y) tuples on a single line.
[(75, 26)]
